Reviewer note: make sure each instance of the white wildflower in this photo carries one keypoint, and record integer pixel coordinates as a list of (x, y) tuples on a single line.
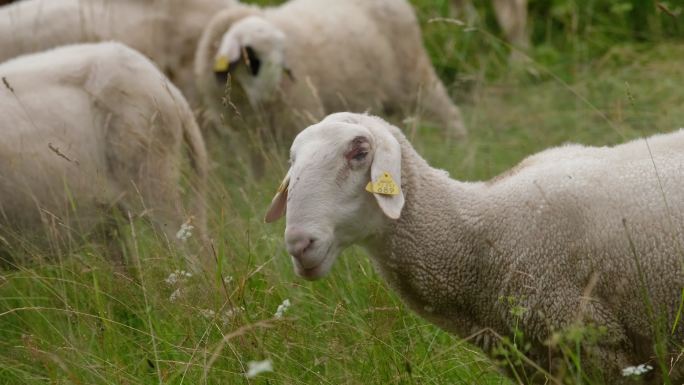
[(176, 277), (185, 231), (254, 368), (175, 295), (171, 279), (229, 314), (228, 279), (636, 370), (282, 308), (207, 313)]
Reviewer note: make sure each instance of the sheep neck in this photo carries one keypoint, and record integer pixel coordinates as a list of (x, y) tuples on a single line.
[(427, 255)]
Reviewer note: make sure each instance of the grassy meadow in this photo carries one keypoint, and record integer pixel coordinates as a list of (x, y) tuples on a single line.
[(597, 74)]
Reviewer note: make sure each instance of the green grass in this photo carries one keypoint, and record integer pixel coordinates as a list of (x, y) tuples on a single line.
[(78, 320)]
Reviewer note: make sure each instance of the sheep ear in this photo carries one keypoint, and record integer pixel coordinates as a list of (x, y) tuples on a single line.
[(234, 50), (230, 52), (279, 202), (385, 182)]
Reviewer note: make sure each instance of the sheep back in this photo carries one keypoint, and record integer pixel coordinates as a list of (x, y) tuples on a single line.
[(90, 128)]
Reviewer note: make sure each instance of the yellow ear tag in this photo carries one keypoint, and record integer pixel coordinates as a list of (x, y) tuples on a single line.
[(221, 64), (385, 185)]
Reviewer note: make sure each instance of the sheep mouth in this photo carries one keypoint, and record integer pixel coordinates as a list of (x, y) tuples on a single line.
[(319, 270)]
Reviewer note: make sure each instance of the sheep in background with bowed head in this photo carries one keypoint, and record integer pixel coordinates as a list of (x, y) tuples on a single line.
[(304, 59)]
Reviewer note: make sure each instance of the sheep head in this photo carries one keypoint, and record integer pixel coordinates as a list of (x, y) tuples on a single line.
[(343, 185), (253, 52)]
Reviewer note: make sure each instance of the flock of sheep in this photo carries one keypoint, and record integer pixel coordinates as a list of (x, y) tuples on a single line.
[(97, 101)]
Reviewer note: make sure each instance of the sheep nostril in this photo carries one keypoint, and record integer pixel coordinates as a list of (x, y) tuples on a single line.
[(299, 247), (308, 247), (298, 242)]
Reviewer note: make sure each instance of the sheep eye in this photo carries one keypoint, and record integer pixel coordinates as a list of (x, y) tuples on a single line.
[(359, 149), (360, 156)]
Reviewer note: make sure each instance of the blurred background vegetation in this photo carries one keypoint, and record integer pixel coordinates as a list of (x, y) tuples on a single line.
[(566, 35)]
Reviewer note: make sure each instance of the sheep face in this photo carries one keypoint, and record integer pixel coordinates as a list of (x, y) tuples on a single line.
[(252, 51), (333, 195)]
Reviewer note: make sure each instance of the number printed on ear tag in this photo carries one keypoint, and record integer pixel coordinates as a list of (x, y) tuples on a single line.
[(385, 185), (221, 64)]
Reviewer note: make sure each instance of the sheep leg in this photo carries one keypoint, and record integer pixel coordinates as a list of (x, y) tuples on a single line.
[(512, 17), (154, 195), (464, 10), (159, 201), (112, 244), (602, 356), (146, 171), (434, 102), (457, 4)]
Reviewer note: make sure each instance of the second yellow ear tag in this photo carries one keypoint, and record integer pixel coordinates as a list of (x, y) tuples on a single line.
[(385, 185), (221, 64)]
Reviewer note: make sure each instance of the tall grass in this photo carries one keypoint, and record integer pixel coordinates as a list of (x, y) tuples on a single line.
[(601, 72)]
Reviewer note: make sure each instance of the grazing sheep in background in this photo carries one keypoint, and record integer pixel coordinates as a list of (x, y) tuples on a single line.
[(165, 31), (512, 17), (88, 128), (571, 235), (306, 58)]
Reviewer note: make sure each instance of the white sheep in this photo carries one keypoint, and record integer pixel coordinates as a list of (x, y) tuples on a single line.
[(573, 234), (165, 31), (306, 58), (90, 128)]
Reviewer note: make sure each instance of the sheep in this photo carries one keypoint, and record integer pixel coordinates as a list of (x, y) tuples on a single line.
[(90, 128), (165, 31), (299, 61), (571, 235)]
